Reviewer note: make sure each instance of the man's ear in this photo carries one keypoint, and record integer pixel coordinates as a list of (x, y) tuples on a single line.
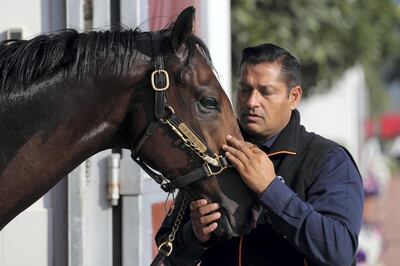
[(183, 27), (295, 96)]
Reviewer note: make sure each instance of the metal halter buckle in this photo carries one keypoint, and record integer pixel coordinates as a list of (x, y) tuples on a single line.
[(167, 244), (222, 167), (153, 83)]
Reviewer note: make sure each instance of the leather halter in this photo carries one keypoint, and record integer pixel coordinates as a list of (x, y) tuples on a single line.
[(165, 115)]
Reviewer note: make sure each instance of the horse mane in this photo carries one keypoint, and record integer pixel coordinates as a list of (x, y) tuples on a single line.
[(71, 53), (24, 61)]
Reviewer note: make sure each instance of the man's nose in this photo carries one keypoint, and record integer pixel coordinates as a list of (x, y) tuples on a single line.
[(253, 100)]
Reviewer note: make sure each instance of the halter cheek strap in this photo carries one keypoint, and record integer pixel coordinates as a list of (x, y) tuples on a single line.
[(159, 78)]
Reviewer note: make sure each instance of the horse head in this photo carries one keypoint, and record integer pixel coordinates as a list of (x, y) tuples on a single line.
[(178, 121)]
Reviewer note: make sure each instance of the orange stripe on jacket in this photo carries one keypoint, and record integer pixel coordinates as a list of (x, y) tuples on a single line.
[(240, 251), (280, 152)]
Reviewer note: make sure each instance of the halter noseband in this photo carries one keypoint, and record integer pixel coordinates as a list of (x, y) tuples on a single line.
[(165, 115)]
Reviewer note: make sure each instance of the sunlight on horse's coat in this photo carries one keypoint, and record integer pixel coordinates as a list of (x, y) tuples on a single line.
[(94, 132)]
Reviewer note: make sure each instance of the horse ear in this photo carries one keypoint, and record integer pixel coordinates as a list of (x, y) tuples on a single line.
[(183, 27)]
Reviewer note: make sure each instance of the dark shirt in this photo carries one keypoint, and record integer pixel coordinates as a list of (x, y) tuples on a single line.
[(268, 143)]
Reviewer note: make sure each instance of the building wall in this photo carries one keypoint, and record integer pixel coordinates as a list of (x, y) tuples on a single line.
[(340, 113), (21, 14), (40, 233), (30, 238)]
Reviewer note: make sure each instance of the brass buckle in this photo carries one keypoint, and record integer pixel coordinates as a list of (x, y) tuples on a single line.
[(168, 244), (153, 84), (222, 168), (165, 120)]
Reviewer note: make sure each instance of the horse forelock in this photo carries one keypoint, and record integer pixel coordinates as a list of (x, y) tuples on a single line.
[(69, 52)]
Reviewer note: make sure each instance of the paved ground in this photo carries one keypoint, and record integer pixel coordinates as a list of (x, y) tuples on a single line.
[(390, 218), (386, 212)]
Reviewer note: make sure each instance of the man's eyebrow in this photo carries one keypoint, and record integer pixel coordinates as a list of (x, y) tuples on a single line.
[(243, 84), (267, 87)]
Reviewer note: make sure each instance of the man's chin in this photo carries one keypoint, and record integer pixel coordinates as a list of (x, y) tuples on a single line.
[(252, 128)]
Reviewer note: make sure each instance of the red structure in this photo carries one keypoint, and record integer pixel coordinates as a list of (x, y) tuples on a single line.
[(389, 125), (386, 127)]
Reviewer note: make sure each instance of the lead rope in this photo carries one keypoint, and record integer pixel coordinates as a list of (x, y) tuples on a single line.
[(171, 209), (165, 249)]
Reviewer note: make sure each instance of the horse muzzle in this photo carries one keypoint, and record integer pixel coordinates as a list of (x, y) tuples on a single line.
[(229, 228)]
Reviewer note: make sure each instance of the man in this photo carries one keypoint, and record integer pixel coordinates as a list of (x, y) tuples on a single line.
[(309, 187)]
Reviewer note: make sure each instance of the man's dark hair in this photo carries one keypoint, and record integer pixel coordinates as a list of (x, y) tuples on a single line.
[(268, 53)]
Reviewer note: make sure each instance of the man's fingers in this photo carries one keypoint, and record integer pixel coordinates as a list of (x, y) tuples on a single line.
[(205, 220), (209, 229), (204, 225), (239, 145), (235, 161), (208, 208), (237, 153), (194, 205), (252, 147), (203, 216), (197, 209), (235, 142), (249, 145)]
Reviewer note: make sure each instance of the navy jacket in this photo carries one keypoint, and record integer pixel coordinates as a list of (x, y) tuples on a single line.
[(312, 216)]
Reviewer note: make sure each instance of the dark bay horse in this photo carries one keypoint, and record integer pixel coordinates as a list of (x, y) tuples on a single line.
[(67, 96)]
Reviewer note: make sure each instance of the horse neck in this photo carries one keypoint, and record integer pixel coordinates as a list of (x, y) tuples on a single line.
[(48, 134)]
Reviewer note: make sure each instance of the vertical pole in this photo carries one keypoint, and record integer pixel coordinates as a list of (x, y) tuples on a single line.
[(74, 16), (101, 14), (75, 20), (90, 238), (216, 32), (133, 14)]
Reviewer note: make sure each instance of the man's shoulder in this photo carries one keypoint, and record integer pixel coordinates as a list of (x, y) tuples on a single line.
[(323, 149), (317, 144)]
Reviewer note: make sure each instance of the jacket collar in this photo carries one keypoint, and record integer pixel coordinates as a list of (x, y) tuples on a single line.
[(288, 138)]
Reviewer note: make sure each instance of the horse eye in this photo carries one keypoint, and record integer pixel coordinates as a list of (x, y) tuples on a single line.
[(209, 103)]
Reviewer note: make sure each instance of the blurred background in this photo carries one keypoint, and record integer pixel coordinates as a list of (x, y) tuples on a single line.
[(350, 56), (349, 51)]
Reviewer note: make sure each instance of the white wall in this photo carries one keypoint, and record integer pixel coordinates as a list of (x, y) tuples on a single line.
[(17, 235), (21, 14), (30, 238), (216, 33), (339, 114)]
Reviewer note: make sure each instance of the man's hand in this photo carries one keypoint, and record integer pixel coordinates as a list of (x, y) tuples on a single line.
[(203, 216), (253, 165)]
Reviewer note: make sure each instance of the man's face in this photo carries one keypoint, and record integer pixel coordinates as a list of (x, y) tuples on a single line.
[(264, 105)]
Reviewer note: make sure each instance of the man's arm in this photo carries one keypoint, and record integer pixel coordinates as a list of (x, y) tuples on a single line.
[(325, 227)]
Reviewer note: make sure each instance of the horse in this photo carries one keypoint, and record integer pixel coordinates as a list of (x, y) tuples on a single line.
[(66, 96)]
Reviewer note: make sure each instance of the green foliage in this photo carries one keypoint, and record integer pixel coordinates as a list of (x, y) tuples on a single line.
[(327, 36)]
